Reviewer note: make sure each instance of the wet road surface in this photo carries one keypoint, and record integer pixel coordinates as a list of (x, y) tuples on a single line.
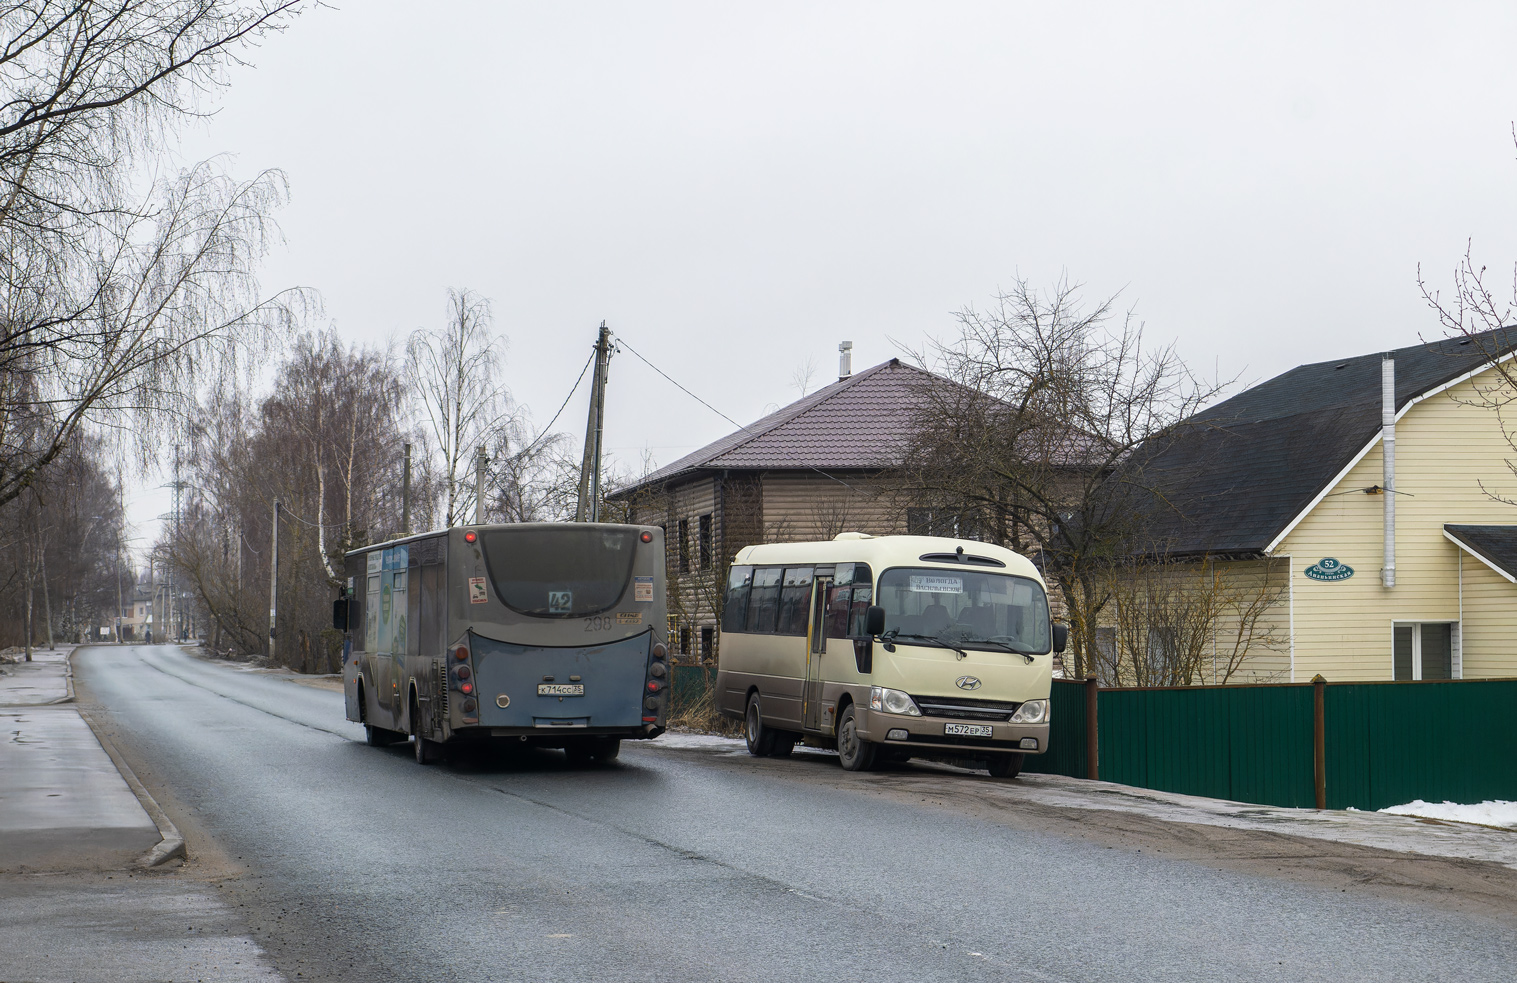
[(346, 862)]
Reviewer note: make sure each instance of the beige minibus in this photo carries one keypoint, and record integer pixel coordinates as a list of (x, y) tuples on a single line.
[(888, 648)]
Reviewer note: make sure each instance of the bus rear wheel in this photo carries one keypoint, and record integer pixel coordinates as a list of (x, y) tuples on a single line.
[(760, 738), (1006, 765), (605, 749), (854, 752)]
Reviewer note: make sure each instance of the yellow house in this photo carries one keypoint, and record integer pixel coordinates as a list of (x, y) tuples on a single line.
[(1378, 489)]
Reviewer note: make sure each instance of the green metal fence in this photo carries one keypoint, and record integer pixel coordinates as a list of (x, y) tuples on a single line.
[(1068, 744), (1382, 743), (1249, 744), (1390, 743)]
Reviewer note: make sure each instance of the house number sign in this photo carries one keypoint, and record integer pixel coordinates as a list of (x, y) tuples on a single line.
[(1329, 569)]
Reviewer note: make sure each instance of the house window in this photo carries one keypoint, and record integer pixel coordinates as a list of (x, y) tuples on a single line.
[(1423, 651), (708, 641), (684, 641), (684, 546), (705, 541)]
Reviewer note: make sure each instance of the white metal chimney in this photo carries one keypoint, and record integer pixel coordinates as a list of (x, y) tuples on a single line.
[(845, 360), (1388, 447)]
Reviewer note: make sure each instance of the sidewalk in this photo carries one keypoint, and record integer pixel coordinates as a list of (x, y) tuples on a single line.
[(64, 803)]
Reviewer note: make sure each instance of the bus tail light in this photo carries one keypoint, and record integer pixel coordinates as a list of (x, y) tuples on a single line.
[(467, 688), (653, 685), (660, 650), (461, 653), (646, 537)]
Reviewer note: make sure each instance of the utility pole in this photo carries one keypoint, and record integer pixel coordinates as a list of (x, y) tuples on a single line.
[(273, 579), (405, 495), (120, 497), (588, 509), (479, 486)]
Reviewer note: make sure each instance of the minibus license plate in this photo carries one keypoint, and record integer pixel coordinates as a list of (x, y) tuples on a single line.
[(967, 730), (560, 689)]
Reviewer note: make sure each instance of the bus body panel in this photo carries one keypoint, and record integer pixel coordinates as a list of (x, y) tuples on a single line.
[(778, 667), (612, 676)]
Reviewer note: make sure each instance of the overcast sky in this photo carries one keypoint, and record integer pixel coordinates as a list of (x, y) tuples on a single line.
[(735, 188)]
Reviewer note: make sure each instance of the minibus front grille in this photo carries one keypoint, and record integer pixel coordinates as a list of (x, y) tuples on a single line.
[(959, 709)]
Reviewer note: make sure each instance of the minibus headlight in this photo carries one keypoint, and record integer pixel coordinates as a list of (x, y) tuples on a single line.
[(1031, 712), (892, 701)]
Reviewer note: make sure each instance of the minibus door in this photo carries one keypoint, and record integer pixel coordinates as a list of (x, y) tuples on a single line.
[(816, 644)]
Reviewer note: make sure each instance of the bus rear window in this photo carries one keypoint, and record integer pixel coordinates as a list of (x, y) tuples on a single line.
[(560, 571)]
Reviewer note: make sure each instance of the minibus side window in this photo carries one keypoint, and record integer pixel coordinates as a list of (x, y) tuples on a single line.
[(862, 598), (764, 600), (795, 599), (735, 608), (838, 601)]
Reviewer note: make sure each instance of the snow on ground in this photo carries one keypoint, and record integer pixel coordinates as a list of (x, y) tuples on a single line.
[(1488, 813), (690, 739)]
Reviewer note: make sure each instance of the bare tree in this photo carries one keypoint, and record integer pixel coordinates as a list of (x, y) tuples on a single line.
[(328, 445), (454, 377), (1179, 622), (1034, 446), (1483, 318), (803, 375), (115, 298)]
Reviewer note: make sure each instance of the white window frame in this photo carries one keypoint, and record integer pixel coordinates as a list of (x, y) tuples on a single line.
[(1456, 652)]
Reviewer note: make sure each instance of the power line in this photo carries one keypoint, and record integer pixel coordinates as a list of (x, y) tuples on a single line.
[(547, 430), (621, 342)]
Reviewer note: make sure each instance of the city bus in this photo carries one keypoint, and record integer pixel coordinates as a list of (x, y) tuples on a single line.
[(541, 634), (889, 648)]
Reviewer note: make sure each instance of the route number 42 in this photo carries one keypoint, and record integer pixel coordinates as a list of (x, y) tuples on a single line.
[(560, 601)]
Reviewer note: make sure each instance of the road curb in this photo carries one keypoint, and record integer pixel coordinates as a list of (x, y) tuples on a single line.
[(68, 680), (171, 844)]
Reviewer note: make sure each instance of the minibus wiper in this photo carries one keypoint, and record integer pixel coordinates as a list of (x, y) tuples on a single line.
[(1009, 648), (893, 634)]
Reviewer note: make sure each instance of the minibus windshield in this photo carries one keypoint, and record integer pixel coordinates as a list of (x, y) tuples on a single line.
[(965, 609)]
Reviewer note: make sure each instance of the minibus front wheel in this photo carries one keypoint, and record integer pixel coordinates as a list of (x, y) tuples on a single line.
[(854, 752), (760, 738)]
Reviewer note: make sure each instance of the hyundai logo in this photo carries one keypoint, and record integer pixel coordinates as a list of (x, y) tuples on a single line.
[(967, 682)]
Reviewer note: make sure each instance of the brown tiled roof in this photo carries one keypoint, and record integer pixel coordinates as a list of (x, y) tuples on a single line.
[(861, 423)]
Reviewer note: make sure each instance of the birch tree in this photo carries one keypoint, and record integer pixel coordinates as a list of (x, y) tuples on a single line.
[(118, 292), (454, 378)]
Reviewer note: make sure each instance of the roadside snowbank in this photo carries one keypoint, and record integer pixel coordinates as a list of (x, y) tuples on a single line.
[(1488, 813)]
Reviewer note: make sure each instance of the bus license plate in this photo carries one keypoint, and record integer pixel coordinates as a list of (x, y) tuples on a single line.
[(967, 730), (560, 689)]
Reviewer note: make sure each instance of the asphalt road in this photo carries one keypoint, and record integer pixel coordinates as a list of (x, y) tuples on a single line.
[(344, 862)]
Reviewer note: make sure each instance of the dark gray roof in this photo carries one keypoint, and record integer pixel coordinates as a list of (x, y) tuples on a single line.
[(861, 423), (1233, 477), (1496, 545)]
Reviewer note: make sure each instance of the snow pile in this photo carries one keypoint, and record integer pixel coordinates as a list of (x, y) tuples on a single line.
[(1488, 813), (690, 739)]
